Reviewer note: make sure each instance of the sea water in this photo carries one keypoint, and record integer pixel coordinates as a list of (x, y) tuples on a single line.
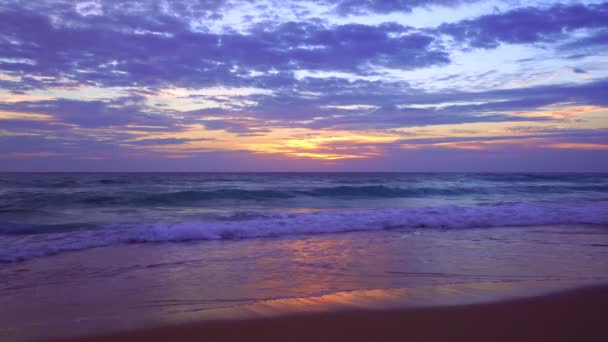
[(92, 253), (46, 214)]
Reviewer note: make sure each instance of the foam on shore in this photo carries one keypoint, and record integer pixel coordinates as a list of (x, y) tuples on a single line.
[(244, 225)]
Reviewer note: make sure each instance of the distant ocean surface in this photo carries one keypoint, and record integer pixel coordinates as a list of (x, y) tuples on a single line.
[(46, 214)]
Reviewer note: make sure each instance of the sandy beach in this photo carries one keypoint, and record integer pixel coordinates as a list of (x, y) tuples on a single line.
[(576, 315), (389, 284)]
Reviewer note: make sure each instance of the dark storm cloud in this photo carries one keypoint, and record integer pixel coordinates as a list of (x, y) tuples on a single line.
[(529, 25)]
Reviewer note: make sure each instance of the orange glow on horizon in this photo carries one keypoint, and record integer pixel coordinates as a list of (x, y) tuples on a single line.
[(4, 115), (557, 111), (299, 143), (478, 145)]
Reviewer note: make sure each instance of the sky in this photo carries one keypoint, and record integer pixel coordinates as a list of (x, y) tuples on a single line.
[(305, 85)]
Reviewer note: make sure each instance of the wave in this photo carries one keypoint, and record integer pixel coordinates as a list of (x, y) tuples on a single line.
[(362, 191), (398, 192), (244, 225), (115, 181), (536, 177), (19, 201), (193, 196), (140, 197), (30, 229)]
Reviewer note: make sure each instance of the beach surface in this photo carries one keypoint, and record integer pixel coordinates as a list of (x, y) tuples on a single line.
[(310, 280), (575, 315), (101, 253)]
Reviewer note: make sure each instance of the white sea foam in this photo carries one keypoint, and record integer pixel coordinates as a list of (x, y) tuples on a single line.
[(261, 225)]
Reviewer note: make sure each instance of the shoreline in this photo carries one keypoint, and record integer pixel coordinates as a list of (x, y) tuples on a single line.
[(572, 315), (123, 288)]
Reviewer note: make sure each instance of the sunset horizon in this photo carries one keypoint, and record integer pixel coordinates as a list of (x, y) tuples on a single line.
[(309, 85), (303, 170)]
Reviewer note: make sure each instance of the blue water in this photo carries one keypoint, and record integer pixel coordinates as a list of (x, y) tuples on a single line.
[(45, 214)]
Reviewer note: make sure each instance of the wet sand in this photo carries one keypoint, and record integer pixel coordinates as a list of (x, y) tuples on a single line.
[(123, 288), (576, 315)]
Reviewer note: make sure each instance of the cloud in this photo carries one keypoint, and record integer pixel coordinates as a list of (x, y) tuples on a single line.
[(597, 39), (161, 141), (124, 49), (321, 104), (565, 139), (359, 7), (133, 80), (528, 25), (90, 114), (394, 105), (578, 71)]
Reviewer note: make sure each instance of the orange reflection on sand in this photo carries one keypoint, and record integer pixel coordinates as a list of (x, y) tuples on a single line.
[(418, 297), (339, 300), (313, 265)]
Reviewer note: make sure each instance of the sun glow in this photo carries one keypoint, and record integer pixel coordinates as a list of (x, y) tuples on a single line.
[(287, 142)]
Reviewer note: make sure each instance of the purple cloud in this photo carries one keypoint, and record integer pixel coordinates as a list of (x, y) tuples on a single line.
[(131, 50), (527, 25), (348, 7)]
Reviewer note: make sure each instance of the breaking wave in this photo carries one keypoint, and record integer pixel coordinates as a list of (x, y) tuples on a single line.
[(244, 225)]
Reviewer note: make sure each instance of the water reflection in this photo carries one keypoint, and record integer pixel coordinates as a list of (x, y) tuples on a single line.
[(425, 296), (133, 285)]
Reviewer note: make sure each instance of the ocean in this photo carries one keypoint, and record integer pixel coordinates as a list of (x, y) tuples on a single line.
[(126, 250), (46, 214)]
